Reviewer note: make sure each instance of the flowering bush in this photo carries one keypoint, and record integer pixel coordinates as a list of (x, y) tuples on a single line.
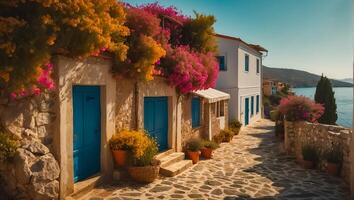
[(32, 30), (135, 141), (146, 50), (296, 108)]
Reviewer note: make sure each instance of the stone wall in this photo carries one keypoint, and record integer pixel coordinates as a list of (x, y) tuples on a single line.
[(34, 171), (323, 137)]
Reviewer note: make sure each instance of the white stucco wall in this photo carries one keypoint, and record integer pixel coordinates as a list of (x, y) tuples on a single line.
[(236, 81)]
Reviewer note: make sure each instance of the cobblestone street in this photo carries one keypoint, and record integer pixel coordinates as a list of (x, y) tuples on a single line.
[(250, 167)]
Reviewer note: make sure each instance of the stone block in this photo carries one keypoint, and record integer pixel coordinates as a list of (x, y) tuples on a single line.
[(45, 168), (43, 119), (35, 147)]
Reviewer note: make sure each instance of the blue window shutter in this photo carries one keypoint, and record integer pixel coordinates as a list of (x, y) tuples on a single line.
[(257, 104), (252, 105), (222, 64), (257, 65), (247, 61), (195, 112)]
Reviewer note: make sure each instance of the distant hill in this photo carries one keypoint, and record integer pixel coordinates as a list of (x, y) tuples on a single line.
[(298, 78), (347, 80)]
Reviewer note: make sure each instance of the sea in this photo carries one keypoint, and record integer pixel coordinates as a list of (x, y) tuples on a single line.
[(344, 100)]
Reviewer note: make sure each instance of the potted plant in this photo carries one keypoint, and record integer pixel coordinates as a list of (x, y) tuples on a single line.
[(235, 126), (207, 148), (310, 156), (227, 135), (193, 147), (334, 159), (145, 169), (119, 147)]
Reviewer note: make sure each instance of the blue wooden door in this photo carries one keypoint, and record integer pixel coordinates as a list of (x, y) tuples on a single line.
[(252, 105), (195, 112), (247, 107), (87, 131), (156, 119)]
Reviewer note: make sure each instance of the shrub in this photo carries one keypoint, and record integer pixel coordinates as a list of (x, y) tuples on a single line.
[(224, 136), (8, 146), (209, 144), (235, 126), (148, 157), (296, 108), (135, 141), (334, 155), (193, 145), (274, 115), (310, 152), (34, 30)]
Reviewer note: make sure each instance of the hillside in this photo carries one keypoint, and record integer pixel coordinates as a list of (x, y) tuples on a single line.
[(348, 80), (297, 78)]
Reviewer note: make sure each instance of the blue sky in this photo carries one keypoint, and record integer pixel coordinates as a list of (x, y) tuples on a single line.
[(311, 35)]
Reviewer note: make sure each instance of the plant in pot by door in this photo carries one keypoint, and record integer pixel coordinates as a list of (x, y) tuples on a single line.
[(145, 169), (334, 158), (120, 148), (193, 147), (310, 156), (207, 148)]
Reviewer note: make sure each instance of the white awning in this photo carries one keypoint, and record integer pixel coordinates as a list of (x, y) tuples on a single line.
[(212, 95)]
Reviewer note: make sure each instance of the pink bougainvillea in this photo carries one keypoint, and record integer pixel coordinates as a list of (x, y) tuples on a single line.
[(296, 108), (189, 71), (44, 81)]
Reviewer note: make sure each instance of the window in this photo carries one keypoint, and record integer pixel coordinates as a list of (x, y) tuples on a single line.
[(252, 105), (195, 112), (257, 104), (257, 66), (222, 63), (219, 109), (247, 62)]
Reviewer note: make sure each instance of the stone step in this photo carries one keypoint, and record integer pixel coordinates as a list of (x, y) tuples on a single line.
[(176, 168), (84, 187), (171, 158), (163, 154)]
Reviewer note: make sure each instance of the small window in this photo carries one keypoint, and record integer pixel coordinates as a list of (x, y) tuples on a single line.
[(247, 62), (220, 109), (195, 112), (222, 63), (257, 66)]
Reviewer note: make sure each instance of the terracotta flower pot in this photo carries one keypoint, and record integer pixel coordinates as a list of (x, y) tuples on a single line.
[(308, 164), (120, 157), (207, 153), (145, 174), (194, 156), (332, 168)]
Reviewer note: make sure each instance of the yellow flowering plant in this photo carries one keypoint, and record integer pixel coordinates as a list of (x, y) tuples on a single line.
[(134, 141)]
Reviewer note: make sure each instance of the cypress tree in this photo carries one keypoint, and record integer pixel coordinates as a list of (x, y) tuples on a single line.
[(325, 95)]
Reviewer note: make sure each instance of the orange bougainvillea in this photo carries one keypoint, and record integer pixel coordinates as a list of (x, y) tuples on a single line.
[(32, 30)]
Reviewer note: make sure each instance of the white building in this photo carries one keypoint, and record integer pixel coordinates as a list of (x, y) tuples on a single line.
[(240, 75)]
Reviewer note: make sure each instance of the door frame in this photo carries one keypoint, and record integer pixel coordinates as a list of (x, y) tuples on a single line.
[(89, 72)]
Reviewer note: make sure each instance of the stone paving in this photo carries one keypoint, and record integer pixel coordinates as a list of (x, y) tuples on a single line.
[(251, 166)]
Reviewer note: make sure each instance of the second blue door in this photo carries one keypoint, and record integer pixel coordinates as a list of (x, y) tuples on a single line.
[(156, 119), (87, 131), (247, 112)]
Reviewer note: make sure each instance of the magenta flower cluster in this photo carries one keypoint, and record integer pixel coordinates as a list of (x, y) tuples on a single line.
[(297, 108)]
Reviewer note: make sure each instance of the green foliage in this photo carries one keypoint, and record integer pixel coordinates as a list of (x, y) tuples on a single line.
[(274, 114), (235, 126), (334, 155), (198, 33), (193, 145), (325, 95), (209, 144), (310, 153), (8, 146)]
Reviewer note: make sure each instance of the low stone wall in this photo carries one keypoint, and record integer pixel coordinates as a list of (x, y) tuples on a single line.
[(34, 171), (323, 137)]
